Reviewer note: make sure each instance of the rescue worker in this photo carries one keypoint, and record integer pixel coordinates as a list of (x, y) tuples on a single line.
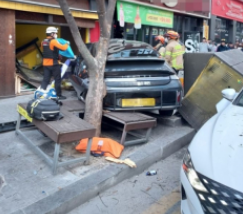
[(51, 65), (174, 51), (160, 46)]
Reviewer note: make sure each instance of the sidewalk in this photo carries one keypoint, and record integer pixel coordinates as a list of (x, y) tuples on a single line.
[(28, 184)]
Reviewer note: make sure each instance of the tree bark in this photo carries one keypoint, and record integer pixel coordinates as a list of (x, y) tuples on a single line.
[(95, 65), (76, 34)]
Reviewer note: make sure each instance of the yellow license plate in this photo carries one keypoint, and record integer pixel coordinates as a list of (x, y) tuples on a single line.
[(138, 102)]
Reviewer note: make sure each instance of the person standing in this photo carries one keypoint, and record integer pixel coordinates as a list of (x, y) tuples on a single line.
[(174, 51), (214, 47), (50, 63), (204, 46), (174, 54), (222, 46), (231, 46)]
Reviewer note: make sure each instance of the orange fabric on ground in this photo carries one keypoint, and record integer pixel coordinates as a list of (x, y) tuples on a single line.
[(110, 147), (53, 43)]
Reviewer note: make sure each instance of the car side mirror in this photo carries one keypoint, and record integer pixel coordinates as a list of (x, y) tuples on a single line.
[(229, 94)]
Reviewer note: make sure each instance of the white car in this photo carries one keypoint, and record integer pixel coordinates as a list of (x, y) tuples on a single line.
[(212, 169)]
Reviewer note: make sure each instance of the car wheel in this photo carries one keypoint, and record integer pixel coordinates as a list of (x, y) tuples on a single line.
[(166, 112)]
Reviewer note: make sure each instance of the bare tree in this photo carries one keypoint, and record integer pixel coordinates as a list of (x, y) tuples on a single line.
[(96, 64)]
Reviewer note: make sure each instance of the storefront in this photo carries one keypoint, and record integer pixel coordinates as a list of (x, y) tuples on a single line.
[(24, 29), (142, 23), (155, 18), (239, 32), (227, 20)]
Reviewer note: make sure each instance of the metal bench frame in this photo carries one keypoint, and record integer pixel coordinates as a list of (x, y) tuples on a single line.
[(53, 162), (130, 126)]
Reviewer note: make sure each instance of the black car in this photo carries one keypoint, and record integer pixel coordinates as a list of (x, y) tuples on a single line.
[(137, 78)]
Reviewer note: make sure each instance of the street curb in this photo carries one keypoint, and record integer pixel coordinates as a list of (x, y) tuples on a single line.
[(72, 196)]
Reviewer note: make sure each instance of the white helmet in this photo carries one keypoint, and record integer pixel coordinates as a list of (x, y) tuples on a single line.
[(51, 30)]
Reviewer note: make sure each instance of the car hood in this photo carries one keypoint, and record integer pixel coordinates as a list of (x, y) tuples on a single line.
[(217, 150)]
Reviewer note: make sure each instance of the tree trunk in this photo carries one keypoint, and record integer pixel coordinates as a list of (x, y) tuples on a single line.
[(95, 66), (94, 98)]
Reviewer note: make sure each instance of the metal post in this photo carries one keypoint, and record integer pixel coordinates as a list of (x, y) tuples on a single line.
[(183, 27), (87, 161), (55, 158), (135, 32), (125, 31), (212, 27), (150, 35), (18, 124), (143, 32), (232, 34), (148, 133), (124, 134)]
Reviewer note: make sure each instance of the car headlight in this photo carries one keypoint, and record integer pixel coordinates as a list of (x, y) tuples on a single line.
[(191, 173)]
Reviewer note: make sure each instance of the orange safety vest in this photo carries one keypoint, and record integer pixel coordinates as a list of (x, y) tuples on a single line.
[(54, 46), (101, 146)]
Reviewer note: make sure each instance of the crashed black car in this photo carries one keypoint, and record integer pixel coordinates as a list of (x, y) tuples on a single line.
[(137, 78)]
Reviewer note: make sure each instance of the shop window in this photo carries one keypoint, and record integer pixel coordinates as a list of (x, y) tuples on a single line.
[(221, 29), (193, 24), (162, 31), (130, 31), (239, 32), (139, 34), (178, 22), (188, 24), (155, 32), (118, 31)]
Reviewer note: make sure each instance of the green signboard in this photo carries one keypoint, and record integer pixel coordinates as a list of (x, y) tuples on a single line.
[(140, 14)]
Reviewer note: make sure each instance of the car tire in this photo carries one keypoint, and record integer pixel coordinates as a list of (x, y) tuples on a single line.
[(166, 112)]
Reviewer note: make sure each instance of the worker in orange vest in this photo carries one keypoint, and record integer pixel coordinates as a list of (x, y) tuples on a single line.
[(51, 65)]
